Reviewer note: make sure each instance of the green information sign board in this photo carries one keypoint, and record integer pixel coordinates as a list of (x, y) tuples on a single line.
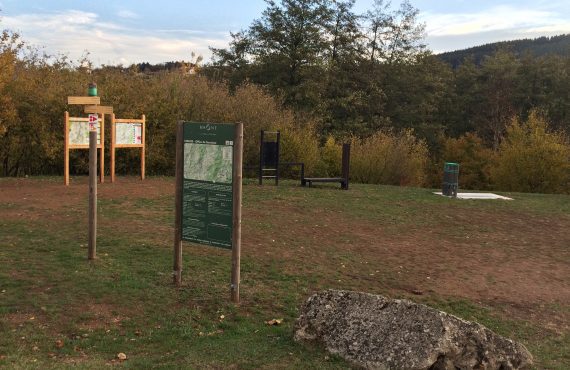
[(207, 197)]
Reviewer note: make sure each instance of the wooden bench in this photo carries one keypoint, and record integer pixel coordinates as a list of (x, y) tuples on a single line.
[(310, 180), (342, 180)]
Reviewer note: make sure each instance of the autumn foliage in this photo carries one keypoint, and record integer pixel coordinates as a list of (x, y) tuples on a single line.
[(522, 154)]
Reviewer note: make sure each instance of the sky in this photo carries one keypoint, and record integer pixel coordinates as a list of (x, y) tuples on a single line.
[(132, 31)]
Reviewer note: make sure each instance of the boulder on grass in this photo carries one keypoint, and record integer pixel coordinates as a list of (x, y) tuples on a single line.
[(375, 332)]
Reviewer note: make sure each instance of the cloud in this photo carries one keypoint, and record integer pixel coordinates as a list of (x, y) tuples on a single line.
[(446, 31), (128, 14), (72, 32), (493, 19)]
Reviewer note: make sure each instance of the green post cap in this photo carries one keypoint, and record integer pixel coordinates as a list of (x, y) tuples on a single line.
[(92, 90)]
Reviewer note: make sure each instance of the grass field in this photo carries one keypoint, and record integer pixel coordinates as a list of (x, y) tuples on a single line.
[(505, 264)]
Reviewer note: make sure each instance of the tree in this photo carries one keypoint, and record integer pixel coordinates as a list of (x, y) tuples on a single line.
[(10, 45), (289, 46), (394, 35), (498, 86), (533, 159)]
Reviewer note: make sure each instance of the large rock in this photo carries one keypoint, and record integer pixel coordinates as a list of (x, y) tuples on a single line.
[(374, 332)]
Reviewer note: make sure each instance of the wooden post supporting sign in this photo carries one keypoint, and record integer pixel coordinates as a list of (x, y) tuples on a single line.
[(177, 274), (236, 211), (91, 253), (209, 192)]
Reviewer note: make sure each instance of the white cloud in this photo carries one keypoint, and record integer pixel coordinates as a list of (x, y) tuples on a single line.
[(72, 32), (128, 14), (493, 19), (460, 30)]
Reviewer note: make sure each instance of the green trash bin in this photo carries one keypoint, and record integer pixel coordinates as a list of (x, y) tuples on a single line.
[(450, 179)]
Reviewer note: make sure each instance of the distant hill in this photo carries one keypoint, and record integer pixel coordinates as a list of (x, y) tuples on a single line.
[(558, 45)]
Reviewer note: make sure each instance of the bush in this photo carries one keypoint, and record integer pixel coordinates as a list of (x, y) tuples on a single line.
[(389, 158), (330, 164), (474, 160), (299, 143), (31, 130), (532, 159)]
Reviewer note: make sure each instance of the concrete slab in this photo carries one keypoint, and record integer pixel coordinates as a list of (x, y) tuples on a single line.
[(478, 196)]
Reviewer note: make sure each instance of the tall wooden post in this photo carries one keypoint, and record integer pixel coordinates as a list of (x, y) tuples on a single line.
[(277, 157), (102, 153), (113, 147), (237, 189), (260, 173), (345, 164), (91, 253), (177, 273), (66, 151), (143, 146)]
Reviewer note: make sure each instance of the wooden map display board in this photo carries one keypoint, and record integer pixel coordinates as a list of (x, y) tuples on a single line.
[(77, 137), (127, 133)]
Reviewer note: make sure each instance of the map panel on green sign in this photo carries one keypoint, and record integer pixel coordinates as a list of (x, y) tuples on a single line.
[(208, 162), (207, 184)]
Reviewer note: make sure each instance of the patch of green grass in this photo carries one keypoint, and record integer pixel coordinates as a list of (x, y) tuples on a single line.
[(125, 301), (547, 347)]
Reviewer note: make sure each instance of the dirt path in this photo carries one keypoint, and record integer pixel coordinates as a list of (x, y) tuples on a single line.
[(521, 261)]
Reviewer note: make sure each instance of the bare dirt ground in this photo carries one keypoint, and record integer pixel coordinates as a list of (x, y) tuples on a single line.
[(516, 262)]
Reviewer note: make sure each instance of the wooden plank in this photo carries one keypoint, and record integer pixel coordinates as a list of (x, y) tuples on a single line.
[(126, 120), (83, 100), (324, 179), (129, 145), (237, 192), (82, 146), (112, 147), (177, 274), (66, 150), (101, 109)]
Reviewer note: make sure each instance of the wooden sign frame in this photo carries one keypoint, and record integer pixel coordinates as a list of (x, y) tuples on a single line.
[(114, 145), (236, 193), (68, 146)]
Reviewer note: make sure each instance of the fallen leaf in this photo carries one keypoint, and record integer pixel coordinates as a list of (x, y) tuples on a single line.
[(274, 322), (121, 356), (215, 332)]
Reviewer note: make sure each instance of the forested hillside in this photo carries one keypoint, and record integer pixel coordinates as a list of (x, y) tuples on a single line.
[(541, 46), (323, 75)]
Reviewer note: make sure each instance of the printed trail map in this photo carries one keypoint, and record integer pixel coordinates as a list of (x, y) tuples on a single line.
[(207, 162)]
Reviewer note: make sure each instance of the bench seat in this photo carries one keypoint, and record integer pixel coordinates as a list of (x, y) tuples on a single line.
[(310, 180)]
